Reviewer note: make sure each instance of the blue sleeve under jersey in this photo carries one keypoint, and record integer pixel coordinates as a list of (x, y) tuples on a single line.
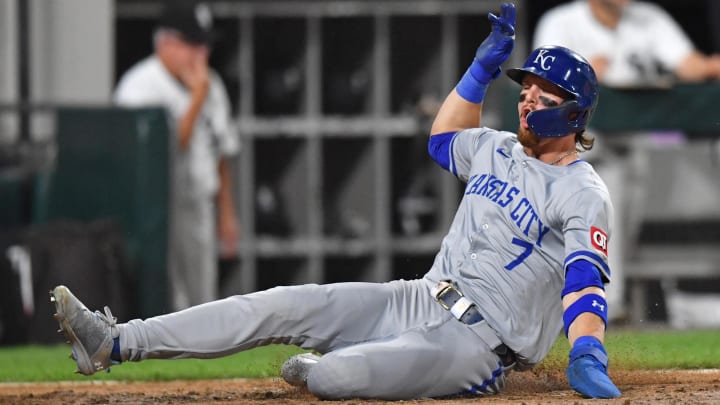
[(439, 148), (581, 274)]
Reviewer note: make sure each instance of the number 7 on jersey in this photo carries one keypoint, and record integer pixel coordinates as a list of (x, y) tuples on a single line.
[(528, 249)]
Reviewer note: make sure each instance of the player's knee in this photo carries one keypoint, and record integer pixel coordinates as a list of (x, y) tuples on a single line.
[(340, 377)]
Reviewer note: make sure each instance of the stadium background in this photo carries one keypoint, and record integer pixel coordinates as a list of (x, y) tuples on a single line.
[(333, 101)]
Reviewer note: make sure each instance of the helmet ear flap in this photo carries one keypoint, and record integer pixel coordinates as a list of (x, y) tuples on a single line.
[(557, 121), (579, 116), (580, 119)]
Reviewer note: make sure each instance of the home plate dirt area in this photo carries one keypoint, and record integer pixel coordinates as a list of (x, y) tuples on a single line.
[(533, 387)]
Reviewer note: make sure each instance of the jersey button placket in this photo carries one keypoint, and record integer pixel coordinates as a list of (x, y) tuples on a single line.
[(473, 239), (484, 227), (514, 172)]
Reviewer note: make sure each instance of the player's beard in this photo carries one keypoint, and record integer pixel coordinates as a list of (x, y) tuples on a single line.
[(527, 138)]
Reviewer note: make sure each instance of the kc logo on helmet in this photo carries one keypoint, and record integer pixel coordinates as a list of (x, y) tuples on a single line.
[(599, 240), (542, 59)]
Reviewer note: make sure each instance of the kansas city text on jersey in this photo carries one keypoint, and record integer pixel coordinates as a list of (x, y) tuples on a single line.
[(522, 213)]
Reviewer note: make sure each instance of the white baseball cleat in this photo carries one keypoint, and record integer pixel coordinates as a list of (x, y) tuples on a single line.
[(91, 334), (295, 370)]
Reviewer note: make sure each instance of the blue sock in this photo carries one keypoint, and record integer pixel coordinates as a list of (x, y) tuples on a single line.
[(115, 354)]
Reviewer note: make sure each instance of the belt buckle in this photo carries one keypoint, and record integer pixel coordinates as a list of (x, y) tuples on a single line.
[(444, 290)]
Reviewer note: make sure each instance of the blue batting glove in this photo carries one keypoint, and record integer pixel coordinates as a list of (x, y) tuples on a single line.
[(497, 47), (489, 56), (587, 371)]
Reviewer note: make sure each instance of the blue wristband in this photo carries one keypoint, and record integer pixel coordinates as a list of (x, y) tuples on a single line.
[(471, 89), (592, 303), (480, 73)]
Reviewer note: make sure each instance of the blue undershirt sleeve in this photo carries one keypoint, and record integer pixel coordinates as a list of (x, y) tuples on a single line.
[(581, 274), (439, 148)]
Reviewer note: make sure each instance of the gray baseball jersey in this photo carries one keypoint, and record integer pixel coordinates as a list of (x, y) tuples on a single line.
[(518, 224)]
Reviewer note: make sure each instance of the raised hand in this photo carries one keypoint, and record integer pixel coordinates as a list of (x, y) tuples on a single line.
[(196, 75), (497, 47), (493, 51)]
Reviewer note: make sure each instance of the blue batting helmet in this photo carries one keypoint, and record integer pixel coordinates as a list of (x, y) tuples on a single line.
[(569, 71)]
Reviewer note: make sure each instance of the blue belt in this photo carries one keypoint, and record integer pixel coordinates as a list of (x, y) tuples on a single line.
[(467, 312)]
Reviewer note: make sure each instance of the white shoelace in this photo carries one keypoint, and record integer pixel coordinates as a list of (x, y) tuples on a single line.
[(107, 317)]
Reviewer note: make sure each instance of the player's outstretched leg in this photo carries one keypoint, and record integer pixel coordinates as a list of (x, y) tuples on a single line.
[(91, 334), (295, 370)]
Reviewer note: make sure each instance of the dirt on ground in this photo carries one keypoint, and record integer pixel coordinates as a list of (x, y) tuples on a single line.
[(534, 387)]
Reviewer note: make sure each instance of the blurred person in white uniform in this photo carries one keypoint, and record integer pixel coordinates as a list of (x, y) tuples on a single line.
[(629, 44), (177, 76)]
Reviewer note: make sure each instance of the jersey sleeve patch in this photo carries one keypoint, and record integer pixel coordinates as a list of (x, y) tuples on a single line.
[(599, 239)]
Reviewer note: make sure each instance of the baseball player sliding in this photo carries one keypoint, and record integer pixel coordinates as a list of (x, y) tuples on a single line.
[(525, 258)]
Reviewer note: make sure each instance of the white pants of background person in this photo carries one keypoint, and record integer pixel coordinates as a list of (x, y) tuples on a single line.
[(192, 253)]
